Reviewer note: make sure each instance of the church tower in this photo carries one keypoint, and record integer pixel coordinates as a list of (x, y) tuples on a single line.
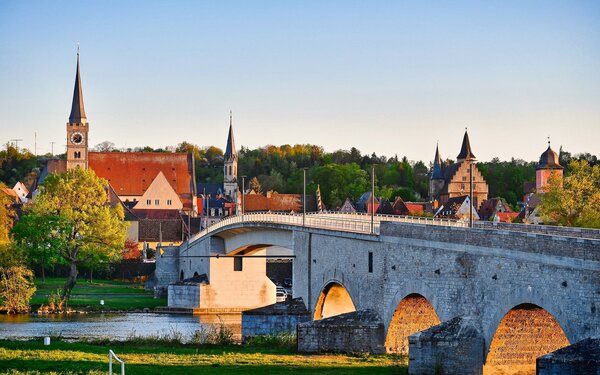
[(437, 180), (77, 128), (548, 167), (230, 185)]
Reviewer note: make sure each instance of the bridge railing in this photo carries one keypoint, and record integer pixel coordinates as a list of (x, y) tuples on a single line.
[(347, 222)]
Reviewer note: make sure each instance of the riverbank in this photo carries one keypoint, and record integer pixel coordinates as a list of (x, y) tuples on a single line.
[(29, 357), (88, 296)]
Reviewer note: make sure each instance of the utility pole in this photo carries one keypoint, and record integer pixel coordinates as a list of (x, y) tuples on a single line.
[(52, 145), (471, 193), (16, 141), (35, 143), (304, 197), (243, 192), (373, 199)]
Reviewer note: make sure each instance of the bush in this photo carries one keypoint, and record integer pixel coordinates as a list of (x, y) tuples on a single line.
[(16, 289), (279, 340)]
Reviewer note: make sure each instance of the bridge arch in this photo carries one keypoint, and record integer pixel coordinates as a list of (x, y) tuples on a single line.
[(413, 313), (334, 299), (524, 333)]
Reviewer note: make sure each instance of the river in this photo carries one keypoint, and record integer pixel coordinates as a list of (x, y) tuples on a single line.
[(118, 326)]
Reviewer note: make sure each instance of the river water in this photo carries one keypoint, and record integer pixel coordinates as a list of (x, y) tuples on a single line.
[(112, 326)]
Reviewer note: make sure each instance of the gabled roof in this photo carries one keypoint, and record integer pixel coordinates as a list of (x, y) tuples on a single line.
[(385, 208), (347, 207), (465, 150), (131, 173), (212, 189), (77, 115)]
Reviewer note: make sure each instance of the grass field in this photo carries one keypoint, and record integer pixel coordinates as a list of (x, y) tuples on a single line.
[(86, 296), (28, 357)]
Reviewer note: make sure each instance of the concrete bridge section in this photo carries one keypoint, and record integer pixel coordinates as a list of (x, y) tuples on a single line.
[(524, 293)]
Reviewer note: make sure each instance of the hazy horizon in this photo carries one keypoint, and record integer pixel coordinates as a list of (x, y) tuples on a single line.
[(390, 78)]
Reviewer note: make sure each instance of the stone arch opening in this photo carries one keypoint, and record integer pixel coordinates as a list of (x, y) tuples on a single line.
[(526, 332), (413, 314), (333, 300)]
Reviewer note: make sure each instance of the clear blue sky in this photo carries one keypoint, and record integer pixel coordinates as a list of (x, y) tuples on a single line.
[(388, 77)]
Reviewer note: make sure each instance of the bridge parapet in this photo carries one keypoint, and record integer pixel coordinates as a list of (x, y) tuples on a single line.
[(552, 230)]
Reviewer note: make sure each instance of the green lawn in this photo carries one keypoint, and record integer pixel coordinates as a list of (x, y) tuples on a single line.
[(116, 295), (18, 357)]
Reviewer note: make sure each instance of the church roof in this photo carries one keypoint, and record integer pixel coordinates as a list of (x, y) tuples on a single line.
[(131, 173), (230, 151), (437, 173), (77, 115), (549, 160), (465, 150)]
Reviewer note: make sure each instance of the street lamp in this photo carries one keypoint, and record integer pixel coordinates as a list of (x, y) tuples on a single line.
[(471, 193), (243, 191), (373, 199), (304, 196)]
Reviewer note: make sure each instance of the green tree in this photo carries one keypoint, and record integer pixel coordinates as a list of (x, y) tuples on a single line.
[(574, 201), (72, 209), (339, 182), (16, 289), (7, 216)]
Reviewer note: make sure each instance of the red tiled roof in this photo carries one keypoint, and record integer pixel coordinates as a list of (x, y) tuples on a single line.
[(130, 173), (415, 208), (507, 217)]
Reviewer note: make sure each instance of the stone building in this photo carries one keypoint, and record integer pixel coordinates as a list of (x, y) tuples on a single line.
[(451, 181)]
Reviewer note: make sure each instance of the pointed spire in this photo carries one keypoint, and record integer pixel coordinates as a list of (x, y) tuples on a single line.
[(436, 173), (230, 151), (77, 115), (465, 150)]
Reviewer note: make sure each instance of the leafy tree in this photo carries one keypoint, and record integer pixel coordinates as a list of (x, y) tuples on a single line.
[(16, 289), (255, 185), (7, 216), (574, 201), (72, 210), (106, 146), (340, 181)]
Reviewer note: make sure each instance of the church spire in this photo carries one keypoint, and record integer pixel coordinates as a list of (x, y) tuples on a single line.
[(77, 115), (436, 173), (230, 152), (465, 150)]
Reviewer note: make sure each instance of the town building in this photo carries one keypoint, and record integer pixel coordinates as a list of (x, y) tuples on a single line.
[(151, 180), (548, 167), (451, 181)]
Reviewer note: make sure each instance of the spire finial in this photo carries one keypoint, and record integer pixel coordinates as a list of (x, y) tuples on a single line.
[(230, 117)]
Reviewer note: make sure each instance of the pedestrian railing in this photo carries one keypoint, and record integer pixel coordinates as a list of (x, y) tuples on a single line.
[(361, 223), (112, 355)]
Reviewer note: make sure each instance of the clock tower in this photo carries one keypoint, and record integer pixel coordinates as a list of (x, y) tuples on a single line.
[(77, 128)]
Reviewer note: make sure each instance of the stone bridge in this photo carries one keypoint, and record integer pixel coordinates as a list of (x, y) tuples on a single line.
[(525, 290)]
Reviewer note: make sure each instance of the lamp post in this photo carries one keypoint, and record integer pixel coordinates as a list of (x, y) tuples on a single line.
[(243, 192), (304, 196), (373, 199), (471, 193)]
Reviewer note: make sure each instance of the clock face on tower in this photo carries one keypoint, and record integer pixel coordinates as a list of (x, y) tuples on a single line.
[(77, 138)]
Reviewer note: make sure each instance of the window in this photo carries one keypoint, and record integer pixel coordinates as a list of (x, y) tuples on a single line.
[(77, 154), (464, 178), (370, 262), (169, 202), (230, 169), (157, 202), (237, 263), (148, 202)]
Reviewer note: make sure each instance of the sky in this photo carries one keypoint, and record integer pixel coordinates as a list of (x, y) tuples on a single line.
[(390, 77)]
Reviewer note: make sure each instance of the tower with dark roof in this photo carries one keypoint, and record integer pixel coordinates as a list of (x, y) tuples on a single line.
[(465, 150), (77, 128), (549, 166), (230, 185), (436, 181)]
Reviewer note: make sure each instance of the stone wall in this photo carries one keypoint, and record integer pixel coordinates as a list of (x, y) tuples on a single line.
[(581, 358), (274, 319), (355, 332), (453, 347), (184, 295)]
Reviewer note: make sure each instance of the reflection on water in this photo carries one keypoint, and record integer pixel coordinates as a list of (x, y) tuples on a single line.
[(112, 326)]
